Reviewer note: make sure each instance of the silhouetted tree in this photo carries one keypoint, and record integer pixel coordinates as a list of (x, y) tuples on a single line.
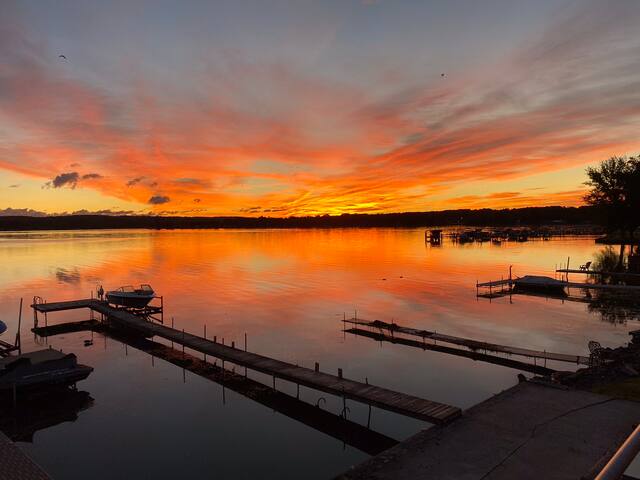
[(615, 189)]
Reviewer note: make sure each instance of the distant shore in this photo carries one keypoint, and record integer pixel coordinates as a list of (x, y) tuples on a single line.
[(515, 217)]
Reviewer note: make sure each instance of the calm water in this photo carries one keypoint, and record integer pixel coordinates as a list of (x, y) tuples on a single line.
[(288, 291)]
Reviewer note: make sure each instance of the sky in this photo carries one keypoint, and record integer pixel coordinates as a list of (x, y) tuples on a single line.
[(310, 107)]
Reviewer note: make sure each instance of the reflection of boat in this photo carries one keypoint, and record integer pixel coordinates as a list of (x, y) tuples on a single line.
[(40, 369), (41, 411), (131, 297)]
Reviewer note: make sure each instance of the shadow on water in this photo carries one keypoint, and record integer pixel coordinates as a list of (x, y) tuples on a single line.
[(41, 410)]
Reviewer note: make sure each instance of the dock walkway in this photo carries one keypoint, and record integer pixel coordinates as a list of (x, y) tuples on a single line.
[(529, 431), (470, 343), (385, 399)]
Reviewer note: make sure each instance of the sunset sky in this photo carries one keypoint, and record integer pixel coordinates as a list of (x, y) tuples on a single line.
[(310, 107)]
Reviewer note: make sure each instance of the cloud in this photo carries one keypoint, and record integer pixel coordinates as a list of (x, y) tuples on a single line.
[(134, 181), (21, 212), (69, 179), (258, 129), (158, 200), (91, 176)]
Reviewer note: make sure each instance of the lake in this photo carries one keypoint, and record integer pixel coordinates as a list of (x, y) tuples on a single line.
[(288, 290)]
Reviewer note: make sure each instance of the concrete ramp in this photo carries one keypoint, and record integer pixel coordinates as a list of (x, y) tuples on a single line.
[(530, 431)]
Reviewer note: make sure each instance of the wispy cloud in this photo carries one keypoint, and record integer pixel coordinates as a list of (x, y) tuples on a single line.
[(295, 140)]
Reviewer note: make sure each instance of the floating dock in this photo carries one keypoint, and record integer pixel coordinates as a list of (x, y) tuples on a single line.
[(541, 282), (474, 345), (379, 397)]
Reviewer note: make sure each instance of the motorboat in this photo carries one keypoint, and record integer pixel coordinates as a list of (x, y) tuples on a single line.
[(40, 369), (129, 296)]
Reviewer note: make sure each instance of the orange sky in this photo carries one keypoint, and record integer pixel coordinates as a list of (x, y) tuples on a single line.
[(314, 109)]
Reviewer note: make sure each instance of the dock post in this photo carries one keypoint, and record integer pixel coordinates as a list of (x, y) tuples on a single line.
[(245, 341), (274, 382), (317, 367), (205, 337), (215, 339), (369, 417), (172, 329), (18, 337), (340, 373), (233, 344), (162, 309), (297, 391), (183, 343)]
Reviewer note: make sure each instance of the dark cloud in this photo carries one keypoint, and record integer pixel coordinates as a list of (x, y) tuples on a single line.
[(103, 212), (134, 181), (91, 176), (159, 199), (69, 179), (21, 212)]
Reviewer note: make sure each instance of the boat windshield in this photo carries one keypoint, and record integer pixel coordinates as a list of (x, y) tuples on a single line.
[(127, 288), (146, 288)]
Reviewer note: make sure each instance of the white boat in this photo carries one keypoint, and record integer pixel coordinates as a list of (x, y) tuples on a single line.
[(129, 296)]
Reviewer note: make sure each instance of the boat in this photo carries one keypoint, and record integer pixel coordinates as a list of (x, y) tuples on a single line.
[(536, 283), (129, 296), (3, 327), (41, 368)]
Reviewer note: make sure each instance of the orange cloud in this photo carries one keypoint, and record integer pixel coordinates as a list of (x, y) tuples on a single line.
[(257, 138)]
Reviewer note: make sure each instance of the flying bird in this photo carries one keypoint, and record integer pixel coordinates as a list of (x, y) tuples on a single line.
[(62, 56)]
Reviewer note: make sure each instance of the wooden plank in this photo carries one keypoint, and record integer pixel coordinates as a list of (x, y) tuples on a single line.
[(470, 343)]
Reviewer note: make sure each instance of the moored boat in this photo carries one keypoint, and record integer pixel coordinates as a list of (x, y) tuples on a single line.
[(129, 296), (40, 369)]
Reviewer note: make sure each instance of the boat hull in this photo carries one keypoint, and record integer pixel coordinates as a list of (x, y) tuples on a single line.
[(129, 300)]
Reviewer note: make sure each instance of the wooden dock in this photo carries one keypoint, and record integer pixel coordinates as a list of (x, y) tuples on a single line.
[(474, 345), (557, 284), (473, 355), (382, 398)]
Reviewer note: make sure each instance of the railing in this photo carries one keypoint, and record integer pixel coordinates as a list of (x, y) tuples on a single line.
[(619, 463)]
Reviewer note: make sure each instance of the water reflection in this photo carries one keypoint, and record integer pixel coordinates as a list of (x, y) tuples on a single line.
[(39, 411), (287, 289)]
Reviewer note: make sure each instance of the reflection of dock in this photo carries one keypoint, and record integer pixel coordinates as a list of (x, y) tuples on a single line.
[(473, 345), (385, 399), (336, 426)]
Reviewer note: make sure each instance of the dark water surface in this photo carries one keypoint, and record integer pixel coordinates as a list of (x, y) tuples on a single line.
[(288, 290)]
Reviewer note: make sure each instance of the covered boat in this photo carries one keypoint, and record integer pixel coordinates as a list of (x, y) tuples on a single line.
[(40, 369), (129, 296)]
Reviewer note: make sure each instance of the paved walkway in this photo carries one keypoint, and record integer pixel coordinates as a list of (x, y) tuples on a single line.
[(16, 465), (530, 431)]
